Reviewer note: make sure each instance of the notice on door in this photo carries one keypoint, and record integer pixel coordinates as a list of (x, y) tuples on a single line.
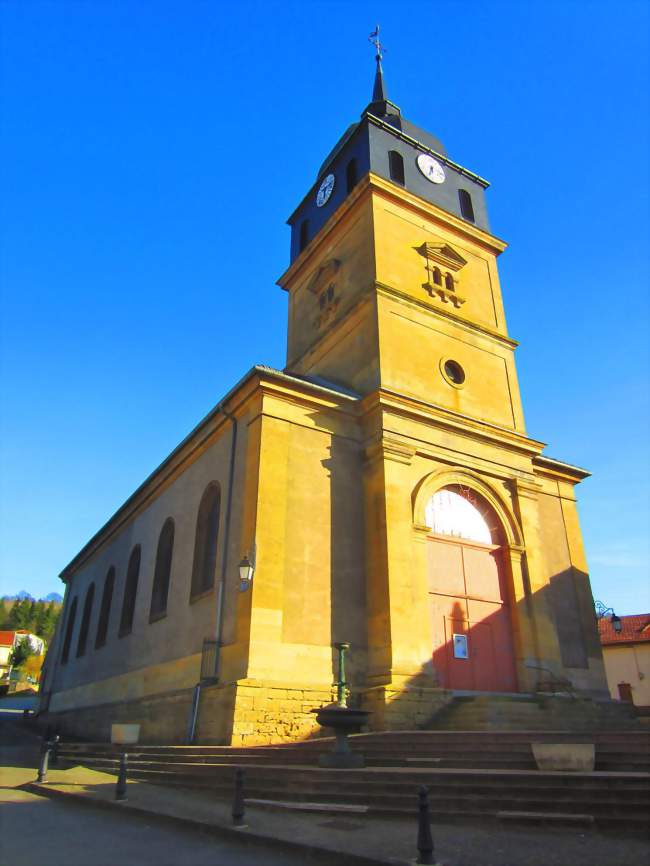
[(460, 646)]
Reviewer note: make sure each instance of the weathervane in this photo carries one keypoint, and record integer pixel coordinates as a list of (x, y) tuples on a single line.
[(379, 90), (374, 38)]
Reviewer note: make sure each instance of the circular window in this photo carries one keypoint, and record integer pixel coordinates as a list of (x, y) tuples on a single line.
[(454, 373)]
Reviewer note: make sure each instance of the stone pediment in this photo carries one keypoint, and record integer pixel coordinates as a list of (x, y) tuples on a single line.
[(442, 263), (443, 254), (324, 276)]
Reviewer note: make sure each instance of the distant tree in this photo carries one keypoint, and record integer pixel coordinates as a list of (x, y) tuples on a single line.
[(46, 621), (20, 653), (4, 614), (19, 615)]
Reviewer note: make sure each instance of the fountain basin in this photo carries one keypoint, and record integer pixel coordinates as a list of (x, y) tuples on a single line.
[(343, 721)]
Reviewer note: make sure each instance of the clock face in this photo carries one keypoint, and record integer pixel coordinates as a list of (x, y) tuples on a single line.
[(325, 190), (431, 168)]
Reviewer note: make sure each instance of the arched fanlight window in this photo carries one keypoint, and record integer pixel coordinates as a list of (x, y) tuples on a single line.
[(205, 542), (304, 235), (450, 513), (351, 175), (162, 571), (105, 609), (466, 206), (85, 620), (449, 282), (396, 166), (130, 592), (68, 631)]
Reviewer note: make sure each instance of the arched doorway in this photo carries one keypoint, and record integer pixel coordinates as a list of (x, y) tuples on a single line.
[(469, 593)]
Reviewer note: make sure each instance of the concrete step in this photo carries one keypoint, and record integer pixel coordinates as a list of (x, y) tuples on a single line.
[(505, 754), (615, 800), (552, 818), (509, 712), (469, 774)]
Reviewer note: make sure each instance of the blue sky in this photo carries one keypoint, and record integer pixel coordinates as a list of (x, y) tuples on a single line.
[(151, 153)]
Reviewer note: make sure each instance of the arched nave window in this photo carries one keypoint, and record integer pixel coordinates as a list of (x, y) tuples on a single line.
[(105, 609), (130, 592), (163, 570), (68, 631), (85, 621), (205, 542)]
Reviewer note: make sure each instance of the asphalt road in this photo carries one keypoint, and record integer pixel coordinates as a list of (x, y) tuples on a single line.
[(38, 831)]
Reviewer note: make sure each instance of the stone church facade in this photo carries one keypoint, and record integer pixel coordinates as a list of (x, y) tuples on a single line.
[(383, 488)]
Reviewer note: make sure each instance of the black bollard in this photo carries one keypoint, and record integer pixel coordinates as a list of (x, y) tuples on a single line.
[(238, 808), (425, 839), (54, 752), (120, 788), (45, 757)]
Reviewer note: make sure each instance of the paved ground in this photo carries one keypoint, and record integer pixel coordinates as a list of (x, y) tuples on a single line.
[(140, 832), (39, 831)]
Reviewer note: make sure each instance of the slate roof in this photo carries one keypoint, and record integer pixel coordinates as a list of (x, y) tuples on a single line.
[(635, 629)]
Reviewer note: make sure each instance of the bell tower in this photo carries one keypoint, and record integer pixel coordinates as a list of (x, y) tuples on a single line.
[(393, 280), (394, 296)]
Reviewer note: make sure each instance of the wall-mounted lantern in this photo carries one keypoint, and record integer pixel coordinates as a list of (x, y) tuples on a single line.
[(246, 570), (602, 611)]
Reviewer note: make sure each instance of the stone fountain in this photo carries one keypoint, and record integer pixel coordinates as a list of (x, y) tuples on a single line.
[(343, 720)]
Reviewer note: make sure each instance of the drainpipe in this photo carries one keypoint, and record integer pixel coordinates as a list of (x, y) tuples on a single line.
[(226, 543), (196, 696)]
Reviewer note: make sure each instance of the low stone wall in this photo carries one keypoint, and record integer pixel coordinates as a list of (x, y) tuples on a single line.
[(248, 713), (402, 708), (163, 718)]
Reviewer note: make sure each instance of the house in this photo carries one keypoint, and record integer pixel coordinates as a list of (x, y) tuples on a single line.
[(626, 654), (9, 640)]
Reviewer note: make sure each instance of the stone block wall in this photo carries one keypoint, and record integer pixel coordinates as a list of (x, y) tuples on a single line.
[(402, 708), (276, 712)]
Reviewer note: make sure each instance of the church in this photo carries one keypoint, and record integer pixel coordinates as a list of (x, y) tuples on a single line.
[(380, 490)]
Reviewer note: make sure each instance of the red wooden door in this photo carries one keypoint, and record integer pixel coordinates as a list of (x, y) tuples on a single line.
[(470, 616), (625, 693)]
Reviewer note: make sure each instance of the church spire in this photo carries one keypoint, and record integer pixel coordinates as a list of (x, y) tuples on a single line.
[(379, 90), (380, 106)]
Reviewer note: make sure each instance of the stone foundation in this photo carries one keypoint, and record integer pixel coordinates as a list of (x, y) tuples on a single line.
[(261, 712), (402, 708), (248, 713), (163, 719)]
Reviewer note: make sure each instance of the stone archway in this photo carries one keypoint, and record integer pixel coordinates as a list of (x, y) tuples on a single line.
[(469, 591)]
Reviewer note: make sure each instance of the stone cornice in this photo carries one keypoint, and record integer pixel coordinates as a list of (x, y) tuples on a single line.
[(471, 327), (398, 133), (368, 185), (396, 193), (393, 403), (388, 448), (337, 328), (526, 489), (304, 259), (558, 470)]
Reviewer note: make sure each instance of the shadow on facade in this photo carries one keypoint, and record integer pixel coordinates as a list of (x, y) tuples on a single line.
[(348, 619)]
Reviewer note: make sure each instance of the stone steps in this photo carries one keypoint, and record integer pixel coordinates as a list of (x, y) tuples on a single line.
[(615, 800), (470, 774), (493, 750), (526, 712), (484, 760)]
